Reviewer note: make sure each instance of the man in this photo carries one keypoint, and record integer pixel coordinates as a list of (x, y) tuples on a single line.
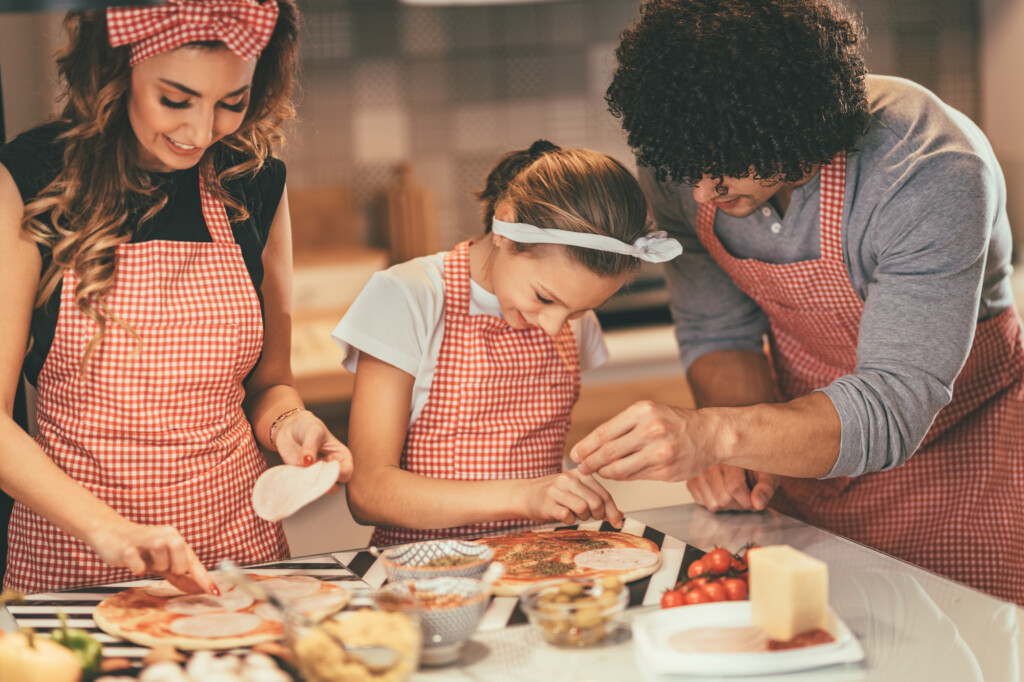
[(860, 224)]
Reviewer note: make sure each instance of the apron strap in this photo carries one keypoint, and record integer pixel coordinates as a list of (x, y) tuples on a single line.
[(214, 212)]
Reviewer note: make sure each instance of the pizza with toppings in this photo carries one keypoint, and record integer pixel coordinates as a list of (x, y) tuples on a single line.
[(531, 557), (158, 613)]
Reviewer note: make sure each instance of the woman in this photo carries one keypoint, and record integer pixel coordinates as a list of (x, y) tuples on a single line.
[(146, 257)]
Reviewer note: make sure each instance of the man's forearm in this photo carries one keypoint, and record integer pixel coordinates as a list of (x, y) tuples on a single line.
[(797, 438), (732, 378)]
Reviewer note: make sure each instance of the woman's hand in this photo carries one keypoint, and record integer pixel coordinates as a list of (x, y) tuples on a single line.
[(569, 496), (302, 438), (145, 550)]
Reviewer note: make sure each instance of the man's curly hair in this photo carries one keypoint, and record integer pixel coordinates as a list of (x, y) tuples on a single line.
[(737, 88)]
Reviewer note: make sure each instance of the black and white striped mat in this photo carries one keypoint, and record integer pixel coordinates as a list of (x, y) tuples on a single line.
[(39, 611), (676, 557)]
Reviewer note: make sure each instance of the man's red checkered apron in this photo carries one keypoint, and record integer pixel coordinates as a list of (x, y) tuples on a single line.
[(499, 403), (157, 429), (961, 495)]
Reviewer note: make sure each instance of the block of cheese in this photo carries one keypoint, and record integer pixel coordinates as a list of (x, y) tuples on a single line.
[(788, 591)]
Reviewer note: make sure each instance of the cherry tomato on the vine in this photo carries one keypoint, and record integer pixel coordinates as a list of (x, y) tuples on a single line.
[(697, 596), (735, 589), (696, 568), (717, 560), (746, 554), (672, 598), (737, 565), (699, 581), (715, 591)]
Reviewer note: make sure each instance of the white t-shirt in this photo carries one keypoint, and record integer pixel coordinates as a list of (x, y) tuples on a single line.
[(398, 318)]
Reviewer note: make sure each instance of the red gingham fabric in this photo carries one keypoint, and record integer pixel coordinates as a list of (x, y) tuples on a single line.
[(157, 429), (961, 495), (245, 26), (499, 403)]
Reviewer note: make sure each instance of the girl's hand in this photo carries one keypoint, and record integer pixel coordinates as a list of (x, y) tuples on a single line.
[(729, 488), (302, 438), (145, 550), (569, 496)]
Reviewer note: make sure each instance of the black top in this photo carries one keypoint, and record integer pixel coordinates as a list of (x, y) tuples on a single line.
[(34, 158)]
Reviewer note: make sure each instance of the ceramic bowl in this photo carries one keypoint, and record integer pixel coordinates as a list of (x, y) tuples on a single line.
[(575, 612), (436, 558), (450, 610)]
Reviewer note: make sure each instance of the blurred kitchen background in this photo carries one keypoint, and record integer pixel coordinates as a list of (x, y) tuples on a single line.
[(404, 108)]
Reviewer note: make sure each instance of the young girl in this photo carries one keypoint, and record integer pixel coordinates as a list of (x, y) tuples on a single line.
[(145, 262), (467, 363)]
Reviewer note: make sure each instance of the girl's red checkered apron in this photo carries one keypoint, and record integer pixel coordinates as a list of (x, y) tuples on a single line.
[(156, 429), (499, 402), (960, 495)]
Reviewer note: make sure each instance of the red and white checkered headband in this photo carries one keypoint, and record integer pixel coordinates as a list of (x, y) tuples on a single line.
[(245, 26)]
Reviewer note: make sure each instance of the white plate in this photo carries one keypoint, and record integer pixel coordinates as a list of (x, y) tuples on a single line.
[(652, 632)]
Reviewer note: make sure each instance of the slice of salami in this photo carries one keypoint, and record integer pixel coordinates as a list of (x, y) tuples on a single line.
[(615, 559), (282, 490), (212, 625), (207, 603)]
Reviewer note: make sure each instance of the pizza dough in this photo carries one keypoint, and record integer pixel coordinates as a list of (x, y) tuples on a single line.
[(530, 558), (206, 622), (282, 490)]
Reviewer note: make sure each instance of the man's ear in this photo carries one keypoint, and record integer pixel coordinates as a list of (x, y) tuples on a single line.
[(505, 213)]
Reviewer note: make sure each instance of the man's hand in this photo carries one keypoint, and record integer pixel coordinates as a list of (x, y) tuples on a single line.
[(729, 488), (647, 441)]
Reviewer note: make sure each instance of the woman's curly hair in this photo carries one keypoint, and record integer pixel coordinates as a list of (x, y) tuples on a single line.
[(738, 88), (102, 195)]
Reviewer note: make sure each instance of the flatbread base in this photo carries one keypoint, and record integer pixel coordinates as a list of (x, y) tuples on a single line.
[(533, 558), (138, 616)]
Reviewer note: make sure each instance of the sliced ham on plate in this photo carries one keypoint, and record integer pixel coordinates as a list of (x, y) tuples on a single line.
[(285, 489)]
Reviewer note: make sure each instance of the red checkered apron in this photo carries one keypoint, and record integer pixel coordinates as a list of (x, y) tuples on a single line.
[(157, 429), (961, 495), (499, 403)]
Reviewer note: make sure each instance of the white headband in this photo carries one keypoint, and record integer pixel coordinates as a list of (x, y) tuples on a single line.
[(653, 247)]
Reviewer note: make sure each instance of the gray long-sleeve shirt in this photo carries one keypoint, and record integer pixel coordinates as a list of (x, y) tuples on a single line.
[(927, 246)]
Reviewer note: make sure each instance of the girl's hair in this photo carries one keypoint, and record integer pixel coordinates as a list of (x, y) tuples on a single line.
[(102, 195), (577, 190)]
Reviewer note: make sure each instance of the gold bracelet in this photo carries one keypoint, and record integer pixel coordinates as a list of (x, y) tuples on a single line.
[(281, 418)]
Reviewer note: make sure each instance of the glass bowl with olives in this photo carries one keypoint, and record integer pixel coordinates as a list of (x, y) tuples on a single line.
[(446, 558), (576, 612)]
